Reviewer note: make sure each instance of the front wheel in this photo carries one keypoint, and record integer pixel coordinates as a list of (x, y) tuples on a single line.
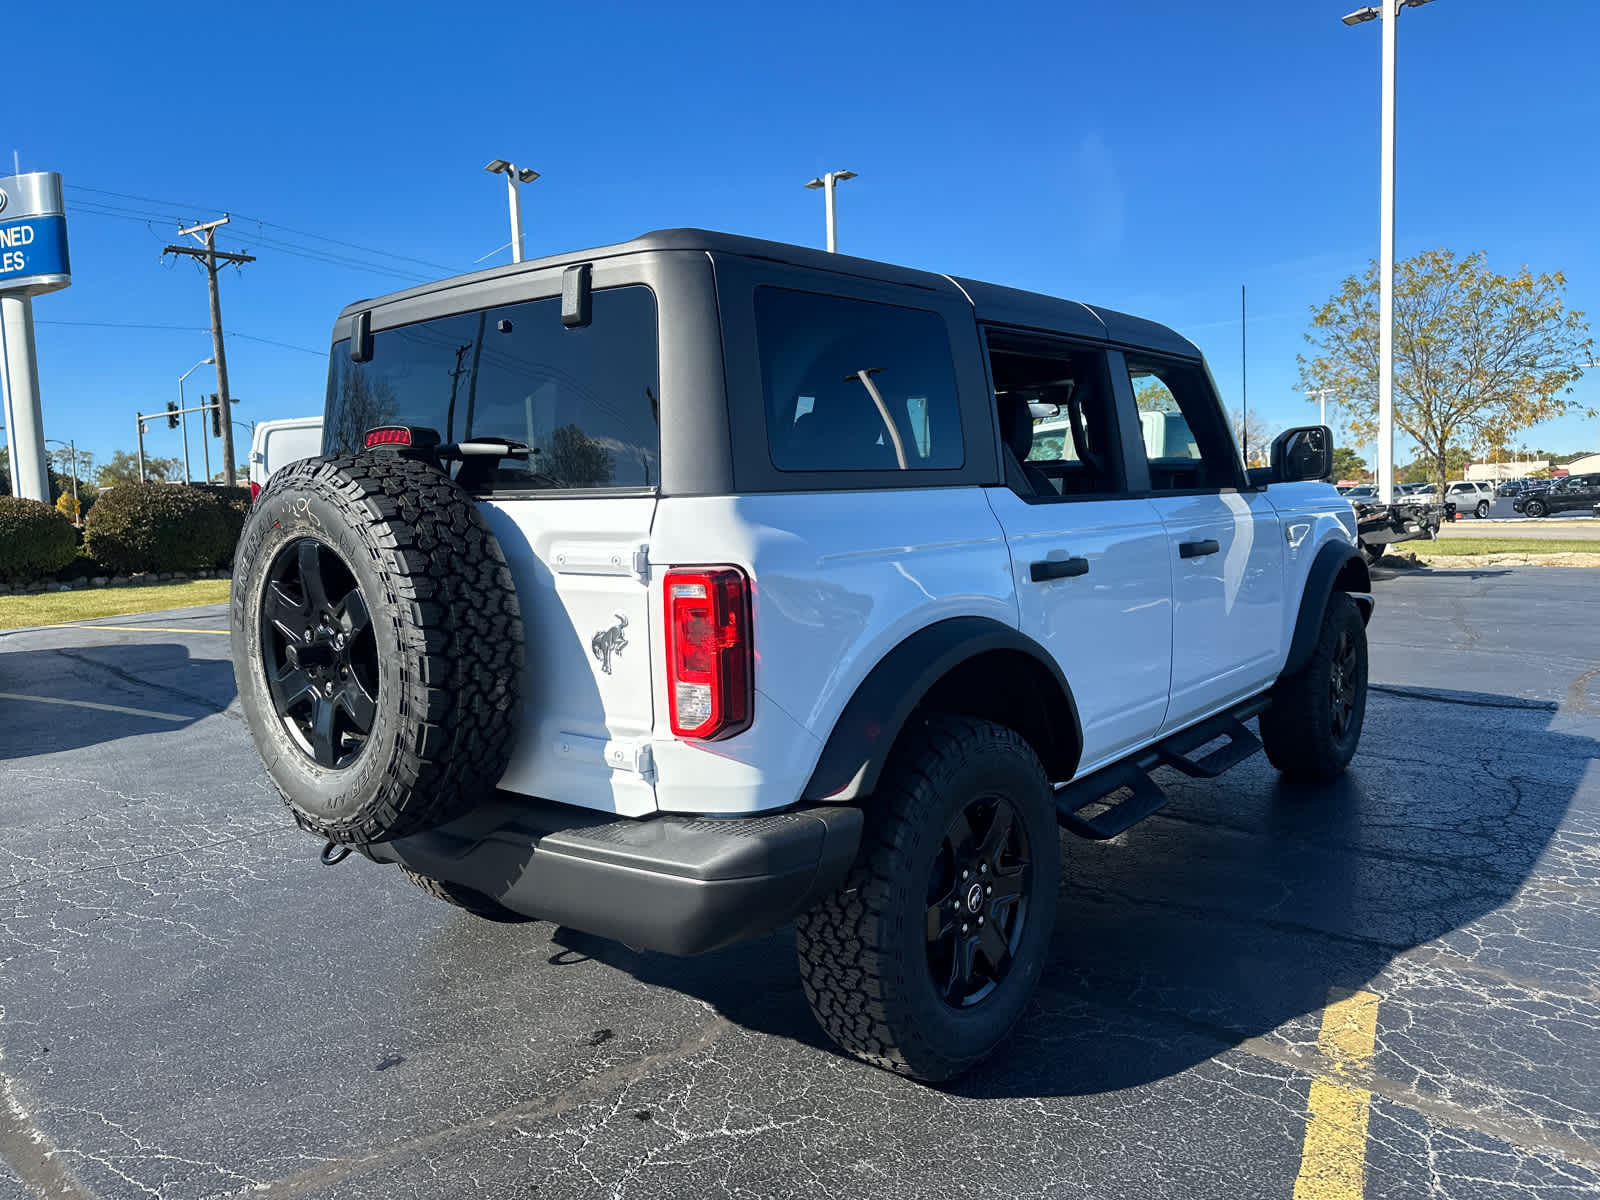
[(927, 956), (1534, 508), (1311, 730)]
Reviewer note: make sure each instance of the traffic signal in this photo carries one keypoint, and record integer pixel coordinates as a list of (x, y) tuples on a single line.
[(172, 415), (216, 415)]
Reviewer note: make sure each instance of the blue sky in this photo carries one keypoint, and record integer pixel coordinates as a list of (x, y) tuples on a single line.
[(1147, 155)]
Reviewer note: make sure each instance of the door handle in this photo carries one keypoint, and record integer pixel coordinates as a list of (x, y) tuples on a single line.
[(1198, 549), (1058, 568)]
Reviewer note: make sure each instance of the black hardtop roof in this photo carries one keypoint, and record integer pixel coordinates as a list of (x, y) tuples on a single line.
[(992, 303)]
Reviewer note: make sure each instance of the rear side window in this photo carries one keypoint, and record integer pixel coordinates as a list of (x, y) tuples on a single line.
[(851, 385), (584, 400)]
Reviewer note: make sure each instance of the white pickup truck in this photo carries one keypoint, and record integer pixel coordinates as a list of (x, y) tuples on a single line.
[(679, 589)]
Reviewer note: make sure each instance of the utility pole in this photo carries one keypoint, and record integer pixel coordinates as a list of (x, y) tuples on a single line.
[(206, 234)]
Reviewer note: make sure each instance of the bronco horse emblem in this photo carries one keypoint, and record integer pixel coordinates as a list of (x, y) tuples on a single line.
[(608, 642)]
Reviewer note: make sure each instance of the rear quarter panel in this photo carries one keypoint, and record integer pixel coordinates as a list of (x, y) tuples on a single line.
[(839, 579)]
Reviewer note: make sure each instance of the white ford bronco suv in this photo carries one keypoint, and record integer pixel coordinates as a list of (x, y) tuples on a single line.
[(683, 588)]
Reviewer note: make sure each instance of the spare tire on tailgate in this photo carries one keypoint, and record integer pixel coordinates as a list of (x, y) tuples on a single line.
[(377, 645)]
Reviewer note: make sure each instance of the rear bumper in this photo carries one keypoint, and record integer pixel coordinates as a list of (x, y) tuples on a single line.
[(681, 885)]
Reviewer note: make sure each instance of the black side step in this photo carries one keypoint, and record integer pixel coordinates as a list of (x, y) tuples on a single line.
[(1095, 789), (1241, 744), (1132, 775)]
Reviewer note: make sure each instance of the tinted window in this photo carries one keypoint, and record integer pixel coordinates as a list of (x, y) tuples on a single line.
[(1055, 410), (584, 400), (855, 386), (1186, 438)]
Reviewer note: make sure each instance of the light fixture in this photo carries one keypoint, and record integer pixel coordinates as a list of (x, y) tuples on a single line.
[(501, 164), (1361, 15)]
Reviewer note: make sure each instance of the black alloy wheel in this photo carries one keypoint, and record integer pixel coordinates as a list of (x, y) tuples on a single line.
[(1534, 508), (1343, 684), (319, 653), (977, 901)]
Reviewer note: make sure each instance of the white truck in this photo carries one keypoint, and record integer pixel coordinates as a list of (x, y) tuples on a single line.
[(679, 589)]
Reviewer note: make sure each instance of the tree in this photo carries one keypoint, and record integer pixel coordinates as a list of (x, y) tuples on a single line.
[(58, 482), (1152, 396), (1257, 435), (577, 460), (1478, 356), (1347, 464), (123, 467)]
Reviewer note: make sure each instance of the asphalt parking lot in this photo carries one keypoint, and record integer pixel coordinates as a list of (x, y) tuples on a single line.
[(1259, 992)]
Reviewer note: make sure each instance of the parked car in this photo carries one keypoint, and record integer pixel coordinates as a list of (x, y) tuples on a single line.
[(1511, 487), (1470, 496), (733, 587), (1361, 492), (1572, 493), (276, 444)]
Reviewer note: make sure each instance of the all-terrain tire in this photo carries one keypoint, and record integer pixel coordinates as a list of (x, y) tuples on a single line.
[(441, 645), (866, 953), (1313, 726), (465, 898)]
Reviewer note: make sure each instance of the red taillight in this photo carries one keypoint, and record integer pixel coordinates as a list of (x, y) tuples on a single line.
[(255, 491), (709, 651), (388, 435)]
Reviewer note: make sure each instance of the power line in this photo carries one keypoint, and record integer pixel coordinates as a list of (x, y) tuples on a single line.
[(232, 333), (269, 225), (149, 220)]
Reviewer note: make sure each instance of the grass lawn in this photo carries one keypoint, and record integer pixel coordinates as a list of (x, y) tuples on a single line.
[(1495, 545), (56, 608)]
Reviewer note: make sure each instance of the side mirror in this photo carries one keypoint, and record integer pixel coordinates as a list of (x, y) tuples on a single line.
[(1305, 452)]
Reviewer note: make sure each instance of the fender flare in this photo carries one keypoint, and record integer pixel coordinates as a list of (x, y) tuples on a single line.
[(1337, 566), (867, 729)]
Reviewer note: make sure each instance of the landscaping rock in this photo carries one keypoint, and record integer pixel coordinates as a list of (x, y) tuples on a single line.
[(99, 581)]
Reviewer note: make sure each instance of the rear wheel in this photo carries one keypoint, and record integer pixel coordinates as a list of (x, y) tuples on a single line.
[(1311, 731), (927, 956), (465, 898), (1483, 509)]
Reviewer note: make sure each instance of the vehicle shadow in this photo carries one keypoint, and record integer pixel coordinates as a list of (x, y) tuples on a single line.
[(1235, 911), (68, 698)]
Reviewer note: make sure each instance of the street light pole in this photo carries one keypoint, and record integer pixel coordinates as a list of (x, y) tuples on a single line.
[(184, 417), (827, 182), (1388, 13), (1322, 397), (515, 178)]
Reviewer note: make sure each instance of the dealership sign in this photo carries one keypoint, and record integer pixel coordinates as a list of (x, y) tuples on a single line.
[(33, 235)]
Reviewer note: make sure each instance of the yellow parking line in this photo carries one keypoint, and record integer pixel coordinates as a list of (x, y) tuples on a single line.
[(1333, 1164), (116, 708), (146, 629)]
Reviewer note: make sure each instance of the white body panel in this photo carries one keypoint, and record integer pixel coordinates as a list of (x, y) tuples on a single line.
[(585, 733), (1227, 615), (840, 579), (1148, 641), (1110, 629), (276, 444)]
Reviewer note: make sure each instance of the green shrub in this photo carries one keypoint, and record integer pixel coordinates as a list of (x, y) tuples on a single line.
[(235, 505), (35, 540), (158, 527)]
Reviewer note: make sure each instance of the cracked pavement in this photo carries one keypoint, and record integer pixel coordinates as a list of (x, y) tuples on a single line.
[(191, 1006)]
